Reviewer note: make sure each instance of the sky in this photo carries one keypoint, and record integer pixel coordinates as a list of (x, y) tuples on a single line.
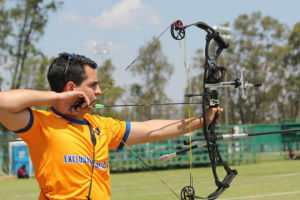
[(122, 26)]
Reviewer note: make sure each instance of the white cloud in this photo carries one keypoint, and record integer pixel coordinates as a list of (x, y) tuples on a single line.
[(72, 17), (98, 47), (126, 14)]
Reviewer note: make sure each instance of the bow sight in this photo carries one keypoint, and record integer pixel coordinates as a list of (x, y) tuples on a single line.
[(213, 77)]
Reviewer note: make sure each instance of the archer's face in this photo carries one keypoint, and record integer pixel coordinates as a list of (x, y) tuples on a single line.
[(90, 85)]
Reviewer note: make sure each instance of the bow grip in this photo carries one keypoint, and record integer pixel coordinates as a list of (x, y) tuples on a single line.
[(211, 128)]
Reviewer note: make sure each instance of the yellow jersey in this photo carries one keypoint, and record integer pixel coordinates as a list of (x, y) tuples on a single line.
[(61, 151)]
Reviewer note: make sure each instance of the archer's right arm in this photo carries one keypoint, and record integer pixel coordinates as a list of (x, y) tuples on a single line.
[(14, 114)]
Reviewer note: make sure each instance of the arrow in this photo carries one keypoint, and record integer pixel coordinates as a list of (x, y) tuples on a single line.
[(147, 104)]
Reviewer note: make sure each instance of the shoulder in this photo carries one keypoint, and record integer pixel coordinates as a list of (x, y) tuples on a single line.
[(42, 114)]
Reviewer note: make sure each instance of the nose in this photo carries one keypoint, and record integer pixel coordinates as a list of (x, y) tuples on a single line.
[(98, 91)]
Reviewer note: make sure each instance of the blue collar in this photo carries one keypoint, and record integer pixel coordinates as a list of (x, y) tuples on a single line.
[(69, 119)]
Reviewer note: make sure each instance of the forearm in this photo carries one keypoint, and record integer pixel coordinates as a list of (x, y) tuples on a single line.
[(157, 130), (18, 100)]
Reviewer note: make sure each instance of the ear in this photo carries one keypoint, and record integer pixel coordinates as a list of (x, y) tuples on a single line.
[(69, 86)]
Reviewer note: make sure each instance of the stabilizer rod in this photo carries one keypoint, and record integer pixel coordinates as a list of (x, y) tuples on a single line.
[(224, 137)]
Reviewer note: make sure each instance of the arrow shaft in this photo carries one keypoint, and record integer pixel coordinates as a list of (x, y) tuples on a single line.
[(149, 104)]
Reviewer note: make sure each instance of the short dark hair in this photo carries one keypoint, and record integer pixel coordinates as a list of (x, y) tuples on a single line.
[(68, 67)]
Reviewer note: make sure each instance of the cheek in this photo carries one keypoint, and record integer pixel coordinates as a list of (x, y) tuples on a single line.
[(89, 92)]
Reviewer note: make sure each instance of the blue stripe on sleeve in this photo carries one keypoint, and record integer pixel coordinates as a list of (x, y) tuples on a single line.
[(29, 125), (127, 131)]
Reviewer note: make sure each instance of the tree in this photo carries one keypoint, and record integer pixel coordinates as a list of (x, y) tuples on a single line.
[(29, 19), (260, 49), (5, 29), (38, 79), (110, 93), (293, 78), (154, 70), (259, 45)]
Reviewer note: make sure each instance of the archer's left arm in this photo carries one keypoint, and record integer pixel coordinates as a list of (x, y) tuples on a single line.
[(157, 130)]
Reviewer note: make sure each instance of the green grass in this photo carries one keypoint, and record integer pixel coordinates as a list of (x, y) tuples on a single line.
[(278, 180), (271, 180)]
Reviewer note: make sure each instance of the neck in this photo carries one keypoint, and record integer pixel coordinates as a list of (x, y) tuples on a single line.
[(77, 117)]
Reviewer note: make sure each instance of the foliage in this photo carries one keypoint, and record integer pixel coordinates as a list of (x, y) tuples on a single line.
[(154, 71), (23, 22), (5, 29), (262, 46), (292, 108), (110, 93)]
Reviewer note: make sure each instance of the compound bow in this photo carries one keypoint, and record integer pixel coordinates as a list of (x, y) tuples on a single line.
[(213, 77)]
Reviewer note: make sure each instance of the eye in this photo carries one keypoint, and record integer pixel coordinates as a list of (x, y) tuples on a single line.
[(94, 85)]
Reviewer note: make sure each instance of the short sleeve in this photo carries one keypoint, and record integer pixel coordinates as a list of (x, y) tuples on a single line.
[(32, 130), (125, 136), (116, 131)]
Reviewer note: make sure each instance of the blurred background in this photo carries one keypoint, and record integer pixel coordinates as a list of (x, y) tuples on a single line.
[(264, 39)]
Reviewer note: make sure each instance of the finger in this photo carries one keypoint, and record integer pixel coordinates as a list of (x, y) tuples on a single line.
[(86, 101), (80, 103), (219, 111)]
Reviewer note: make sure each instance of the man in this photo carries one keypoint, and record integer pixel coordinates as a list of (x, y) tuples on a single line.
[(68, 146), (22, 172)]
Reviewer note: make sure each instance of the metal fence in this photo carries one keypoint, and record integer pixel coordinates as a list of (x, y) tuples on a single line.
[(237, 151)]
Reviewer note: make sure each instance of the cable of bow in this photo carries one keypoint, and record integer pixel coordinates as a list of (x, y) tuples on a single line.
[(187, 68)]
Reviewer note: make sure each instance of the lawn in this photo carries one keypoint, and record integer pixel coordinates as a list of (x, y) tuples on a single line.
[(277, 180)]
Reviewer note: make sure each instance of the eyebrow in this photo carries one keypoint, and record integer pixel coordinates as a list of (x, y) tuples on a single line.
[(94, 82)]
